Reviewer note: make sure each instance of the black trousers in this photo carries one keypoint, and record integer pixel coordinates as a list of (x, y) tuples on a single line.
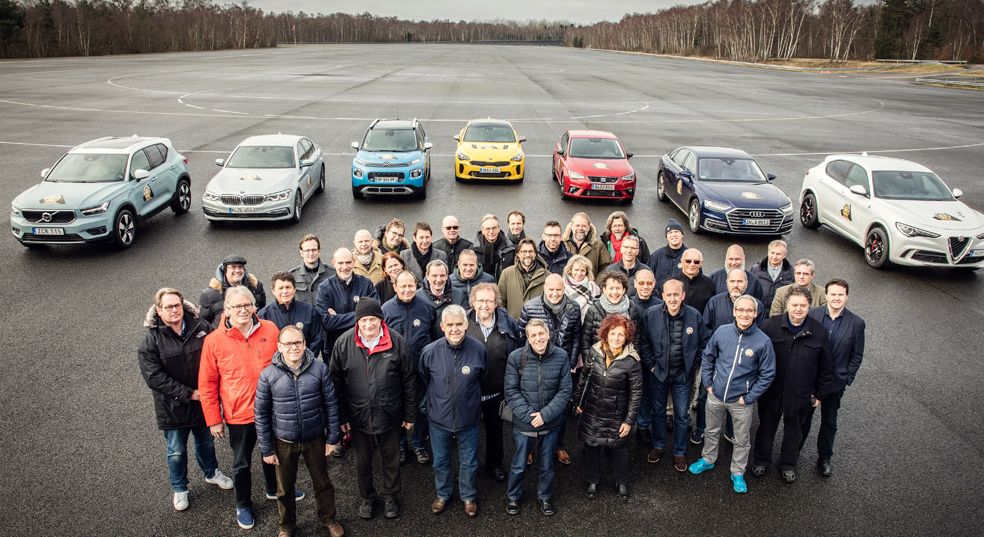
[(289, 454), (793, 418), (592, 463), (493, 433), (364, 445), (242, 439), (828, 425)]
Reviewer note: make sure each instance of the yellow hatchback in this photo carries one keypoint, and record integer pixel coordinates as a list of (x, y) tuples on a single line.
[(489, 149)]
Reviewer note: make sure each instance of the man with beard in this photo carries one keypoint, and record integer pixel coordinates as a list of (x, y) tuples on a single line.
[(469, 274), (524, 280), (495, 251), (368, 260), (734, 258), (391, 238), (421, 252), (451, 242), (551, 249), (581, 238)]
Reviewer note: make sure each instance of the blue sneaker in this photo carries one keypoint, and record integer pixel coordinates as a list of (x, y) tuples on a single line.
[(244, 516), (700, 466), (738, 482), (298, 495)]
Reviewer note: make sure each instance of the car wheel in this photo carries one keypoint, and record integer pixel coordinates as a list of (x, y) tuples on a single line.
[(876, 248), (693, 216), (321, 181), (124, 229), (356, 193), (629, 200), (808, 212), (661, 187), (521, 179), (298, 207), (182, 197)]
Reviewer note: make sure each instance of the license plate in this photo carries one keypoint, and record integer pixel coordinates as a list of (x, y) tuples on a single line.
[(755, 222), (49, 231), (602, 187), (241, 210), (488, 170)]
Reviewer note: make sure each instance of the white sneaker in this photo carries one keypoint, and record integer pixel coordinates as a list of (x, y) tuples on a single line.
[(180, 501), (223, 481)]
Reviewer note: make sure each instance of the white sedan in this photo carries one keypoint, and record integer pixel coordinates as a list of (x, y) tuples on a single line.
[(899, 211), (266, 178)]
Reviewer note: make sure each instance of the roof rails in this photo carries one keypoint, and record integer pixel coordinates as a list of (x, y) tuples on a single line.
[(373, 124)]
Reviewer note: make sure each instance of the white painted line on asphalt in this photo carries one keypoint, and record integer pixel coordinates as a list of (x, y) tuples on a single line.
[(36, 145), (229, 112), (195, 107), (912, 150)]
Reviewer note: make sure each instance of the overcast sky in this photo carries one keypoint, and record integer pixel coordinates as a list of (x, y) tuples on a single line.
[(577, 11)]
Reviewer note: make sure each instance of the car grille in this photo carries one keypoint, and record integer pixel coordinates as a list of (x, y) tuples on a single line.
[(594, 179), (930, 257), (774, 217), (383, 177), (604, 193), (958, 246), (490, 175), (31, 237), (54, 217), (490, 163), (232, 199)]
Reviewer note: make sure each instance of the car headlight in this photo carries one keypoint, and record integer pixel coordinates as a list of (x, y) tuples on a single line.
[(415, 161), (279, 196), (518, 157), (14, 211), (98, 209), (574, 175), (211, 196), (416, 173), (911, 231), (462, 156), (630, 177), (716, 205), (787, 208)]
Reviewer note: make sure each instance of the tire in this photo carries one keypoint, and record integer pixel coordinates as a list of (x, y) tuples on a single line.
[(693, 216), (182, 197), (298, 207), (876, 248), (124, 229), (628, 200), (321, 181), (357, 194), (661, 187), (809, 212)]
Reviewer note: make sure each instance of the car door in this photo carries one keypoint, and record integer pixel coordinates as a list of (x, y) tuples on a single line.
[(141, 193), (305, 179), (422, 146), (857, 211), (674, 186), (685, 187), (167, 171), (829, 193), (560, 153)]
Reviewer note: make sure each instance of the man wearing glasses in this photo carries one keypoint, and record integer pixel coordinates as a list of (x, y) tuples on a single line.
[(803, 273), (551, 248), (451, 242), (392, 239), (311, 272), (629, 263), (232, 358), (699, 288)]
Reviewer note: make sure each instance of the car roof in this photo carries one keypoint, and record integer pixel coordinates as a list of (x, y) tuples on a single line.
[(393, 124), (117, 144), (591, 134), (272, 139), (717, 152), (878, 162), (489, 123)]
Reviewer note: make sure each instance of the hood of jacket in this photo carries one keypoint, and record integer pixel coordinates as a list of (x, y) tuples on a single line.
[(628, 351), (219, 283), (152, 320)]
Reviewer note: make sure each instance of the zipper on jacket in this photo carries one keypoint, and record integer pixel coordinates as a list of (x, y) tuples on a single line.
[(734, 363)]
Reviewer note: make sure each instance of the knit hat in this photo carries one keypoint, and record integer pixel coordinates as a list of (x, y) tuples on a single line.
[(368, 307), (233, 260), (673, 225)]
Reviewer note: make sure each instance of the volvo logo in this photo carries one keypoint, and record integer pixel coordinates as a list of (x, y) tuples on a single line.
[(757, 214), (45, 218)]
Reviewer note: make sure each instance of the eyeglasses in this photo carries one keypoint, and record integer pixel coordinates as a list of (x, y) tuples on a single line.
[(310, 250), (482, 301), (552, 235), (396, 234), (170, 307), (692, 261), (295, 344), (745, 311), (451, 227), (237, 307)]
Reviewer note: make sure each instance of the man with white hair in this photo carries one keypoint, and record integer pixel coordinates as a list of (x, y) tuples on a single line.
[(734, 258), (773, 271), (495, 251)]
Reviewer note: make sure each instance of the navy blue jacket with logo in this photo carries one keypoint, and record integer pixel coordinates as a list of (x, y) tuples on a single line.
[(335, 294), (655, 331), (721, 311), (738, 363), (414, 320), (299, 314), (451, 377)]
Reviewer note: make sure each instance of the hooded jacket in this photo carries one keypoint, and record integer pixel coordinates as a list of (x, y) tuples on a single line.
[(299, 314), (656, 332), (769, 287), (451, 377), (608, 396), (565, 328), (543, 385), (295, 408), (465, 286), (738, 363), (514, 289), (169, 364), (210, 303), (414, 320), (592, 248), (306, 283), (335, 294), (555, 261), (502, 254)]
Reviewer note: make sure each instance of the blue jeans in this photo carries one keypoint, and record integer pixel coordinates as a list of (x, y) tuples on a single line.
[(177, 454), (680, 390), (442, 442), (547, 444), (421, 428)]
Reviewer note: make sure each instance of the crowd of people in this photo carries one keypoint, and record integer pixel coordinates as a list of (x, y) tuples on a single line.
[(411, 347)]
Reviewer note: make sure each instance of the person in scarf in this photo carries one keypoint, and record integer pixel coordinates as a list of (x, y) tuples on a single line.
[(616, 228), (614, 300), (420, 252), (579, 283), (368, 260), (439, 292), (516, 221)]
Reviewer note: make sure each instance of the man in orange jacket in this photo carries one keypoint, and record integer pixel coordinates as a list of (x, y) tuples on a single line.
[(233, 356)]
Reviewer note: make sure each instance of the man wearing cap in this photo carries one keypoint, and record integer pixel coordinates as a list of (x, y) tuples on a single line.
[(311, 272), (376, 388), (230, 273), (338, 296), (286, 310), (451, 242), (666, 260)]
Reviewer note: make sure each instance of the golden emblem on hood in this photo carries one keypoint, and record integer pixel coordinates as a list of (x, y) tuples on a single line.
[(946, 217), (601, 165), (750, 196), (253, 177), (53, 199)]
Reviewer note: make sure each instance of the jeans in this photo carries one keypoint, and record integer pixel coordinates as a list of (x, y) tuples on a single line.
[(242, 439), (742, 415), (680, 389), (421, 427), (643, 421), (442, 442), (828, 425), (177, 454), (493, 433), (364, 446), (546, 446), (592, 463), (289, 453)]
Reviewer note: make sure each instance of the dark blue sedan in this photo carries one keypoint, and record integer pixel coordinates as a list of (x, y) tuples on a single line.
[(724, 191)]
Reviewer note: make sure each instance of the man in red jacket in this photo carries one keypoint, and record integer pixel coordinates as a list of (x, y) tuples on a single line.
[(232, 358)]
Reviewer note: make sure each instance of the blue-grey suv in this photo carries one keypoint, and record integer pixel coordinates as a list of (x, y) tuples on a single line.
[(393, 159)]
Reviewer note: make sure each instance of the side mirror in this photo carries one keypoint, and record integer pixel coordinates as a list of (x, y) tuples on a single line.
[(355, 145), (629, 155), (770, 177), (428, 146), (687, 174), (307, 162), (557, 149), (456, 137), (44, 172), (220, 162), (140, 175), (957, 192), (859, 190), (522, 139)]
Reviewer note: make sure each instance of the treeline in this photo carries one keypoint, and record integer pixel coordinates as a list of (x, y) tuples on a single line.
[(749, 30)]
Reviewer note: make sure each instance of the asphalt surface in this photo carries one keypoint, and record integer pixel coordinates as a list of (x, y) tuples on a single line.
[(82, 455)]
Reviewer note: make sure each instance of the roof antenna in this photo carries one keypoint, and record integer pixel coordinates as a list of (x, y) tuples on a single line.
[(398, 111)]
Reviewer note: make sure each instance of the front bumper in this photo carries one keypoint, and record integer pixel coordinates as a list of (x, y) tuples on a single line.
[(471, 169), (613, 188), (739, 221), (266, 211), (947, 251), (388, 181), (80, 230)]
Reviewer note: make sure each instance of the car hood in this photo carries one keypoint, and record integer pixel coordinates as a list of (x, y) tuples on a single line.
[(388, 158), (490, 151), (745, 195), (938, 215), (599, 167), (68, 196), (252, 180)]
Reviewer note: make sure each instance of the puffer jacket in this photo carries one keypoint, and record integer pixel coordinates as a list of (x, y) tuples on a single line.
[(543, 385), (375, 269), (592, 320), (498, 349), (656, 332), (665, 261), (565, 329), (230, 367), (465, 286), (514, 290), (376, 390), (169, 364), (452, 377), (306, 283), (738, 363), (413, 320), (295, 408), (299, 314), (592, 248), (611, 396), (335, 294), (556, 261), (211, 302)]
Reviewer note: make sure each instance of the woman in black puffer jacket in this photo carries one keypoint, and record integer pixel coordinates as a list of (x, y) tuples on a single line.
[(609, 395), (614, 299)]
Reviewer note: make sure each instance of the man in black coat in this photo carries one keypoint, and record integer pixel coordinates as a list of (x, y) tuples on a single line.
[(495, 251), (551, 248), (230, 273), (773, 271), (699, 288), (451, 242), (734, 258), (286, 310), (168, 359), (804, 378), (666, 260)]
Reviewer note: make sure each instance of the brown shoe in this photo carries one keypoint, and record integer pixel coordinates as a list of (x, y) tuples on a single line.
[(471, 508), (529, 459), (655, 455), (679, 463), (438, 505), (334, 528), (563, 457)]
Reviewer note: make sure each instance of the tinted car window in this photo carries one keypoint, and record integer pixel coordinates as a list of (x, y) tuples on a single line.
[(680, 157), (420, 138), (154, 156), (691, 162), (89, 168), (563, 141), (600, 148), (837, 170), (489, 133), (139, 162), (910, 186), (379, 139), (307, 148), (262, 156), (857, 176)]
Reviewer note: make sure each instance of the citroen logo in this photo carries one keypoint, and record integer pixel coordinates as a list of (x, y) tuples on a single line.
[(45, 217)]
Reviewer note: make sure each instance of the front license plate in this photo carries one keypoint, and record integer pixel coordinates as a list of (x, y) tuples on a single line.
[(240, 210), (49, 231), (602, 187), (755, 222), (488, 170)]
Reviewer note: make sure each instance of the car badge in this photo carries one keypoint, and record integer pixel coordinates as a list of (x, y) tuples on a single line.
[(690, 330), (388, 157), (45, 218), (416, 322), (253, 177), (749, 352), (148, 194), (946, 217), (465, 370), (846, 211), (601, 165), (750, 196), (299, 325), (53, 199), (679, 187)]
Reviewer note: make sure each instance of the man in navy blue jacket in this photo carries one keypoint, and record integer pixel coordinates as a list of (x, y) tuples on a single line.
[(451, 371), (845, 335), (337, 297), (286, 311), (297, 415)]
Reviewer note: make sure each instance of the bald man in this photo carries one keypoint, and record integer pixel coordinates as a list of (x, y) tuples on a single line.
[(337, 297), (734, 258), (368, 260)]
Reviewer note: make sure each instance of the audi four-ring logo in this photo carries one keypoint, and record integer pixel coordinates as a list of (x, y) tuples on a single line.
[(757, 214)]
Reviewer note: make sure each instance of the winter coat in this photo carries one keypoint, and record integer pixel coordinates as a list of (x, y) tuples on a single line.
[(414, 320), (211, 302), (503, 254), (620, 267), (555, 261), (592, 248), (720, 279), (465, 286), (666, 261), (299, 314), (333, 293), (542, 384), (606, 239), (414, 267), (385, 290), (738, 363), (565, 329), (644, 305), (804, 365), (817, 295), (375, 269), (376, 390), (655, 332), (295, 408), (720, 310), (846, 346), (307, 283), (451, 376), (761, 272), (592, 320), (452, 250), (699, 289), (230, 367), (514, 289), (169, 364), (608, 397), (504, 338), (441, 303), (378, 243)]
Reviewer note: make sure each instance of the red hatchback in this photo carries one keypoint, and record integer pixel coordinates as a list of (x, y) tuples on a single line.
[(592, 164)]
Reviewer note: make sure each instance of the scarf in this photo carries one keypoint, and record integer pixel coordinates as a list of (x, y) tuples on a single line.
[(364, 260), (558, 308), (581, 289), (621, 308), (615, 248), (422, 259)]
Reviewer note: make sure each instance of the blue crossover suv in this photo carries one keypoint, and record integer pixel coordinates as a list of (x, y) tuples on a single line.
[(393, 159)]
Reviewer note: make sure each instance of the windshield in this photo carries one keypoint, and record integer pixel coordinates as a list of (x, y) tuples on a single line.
[(595, 148), (729, 170), (489, 133), (262, 156), (89, 168), (922, 186), (390, 140)]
